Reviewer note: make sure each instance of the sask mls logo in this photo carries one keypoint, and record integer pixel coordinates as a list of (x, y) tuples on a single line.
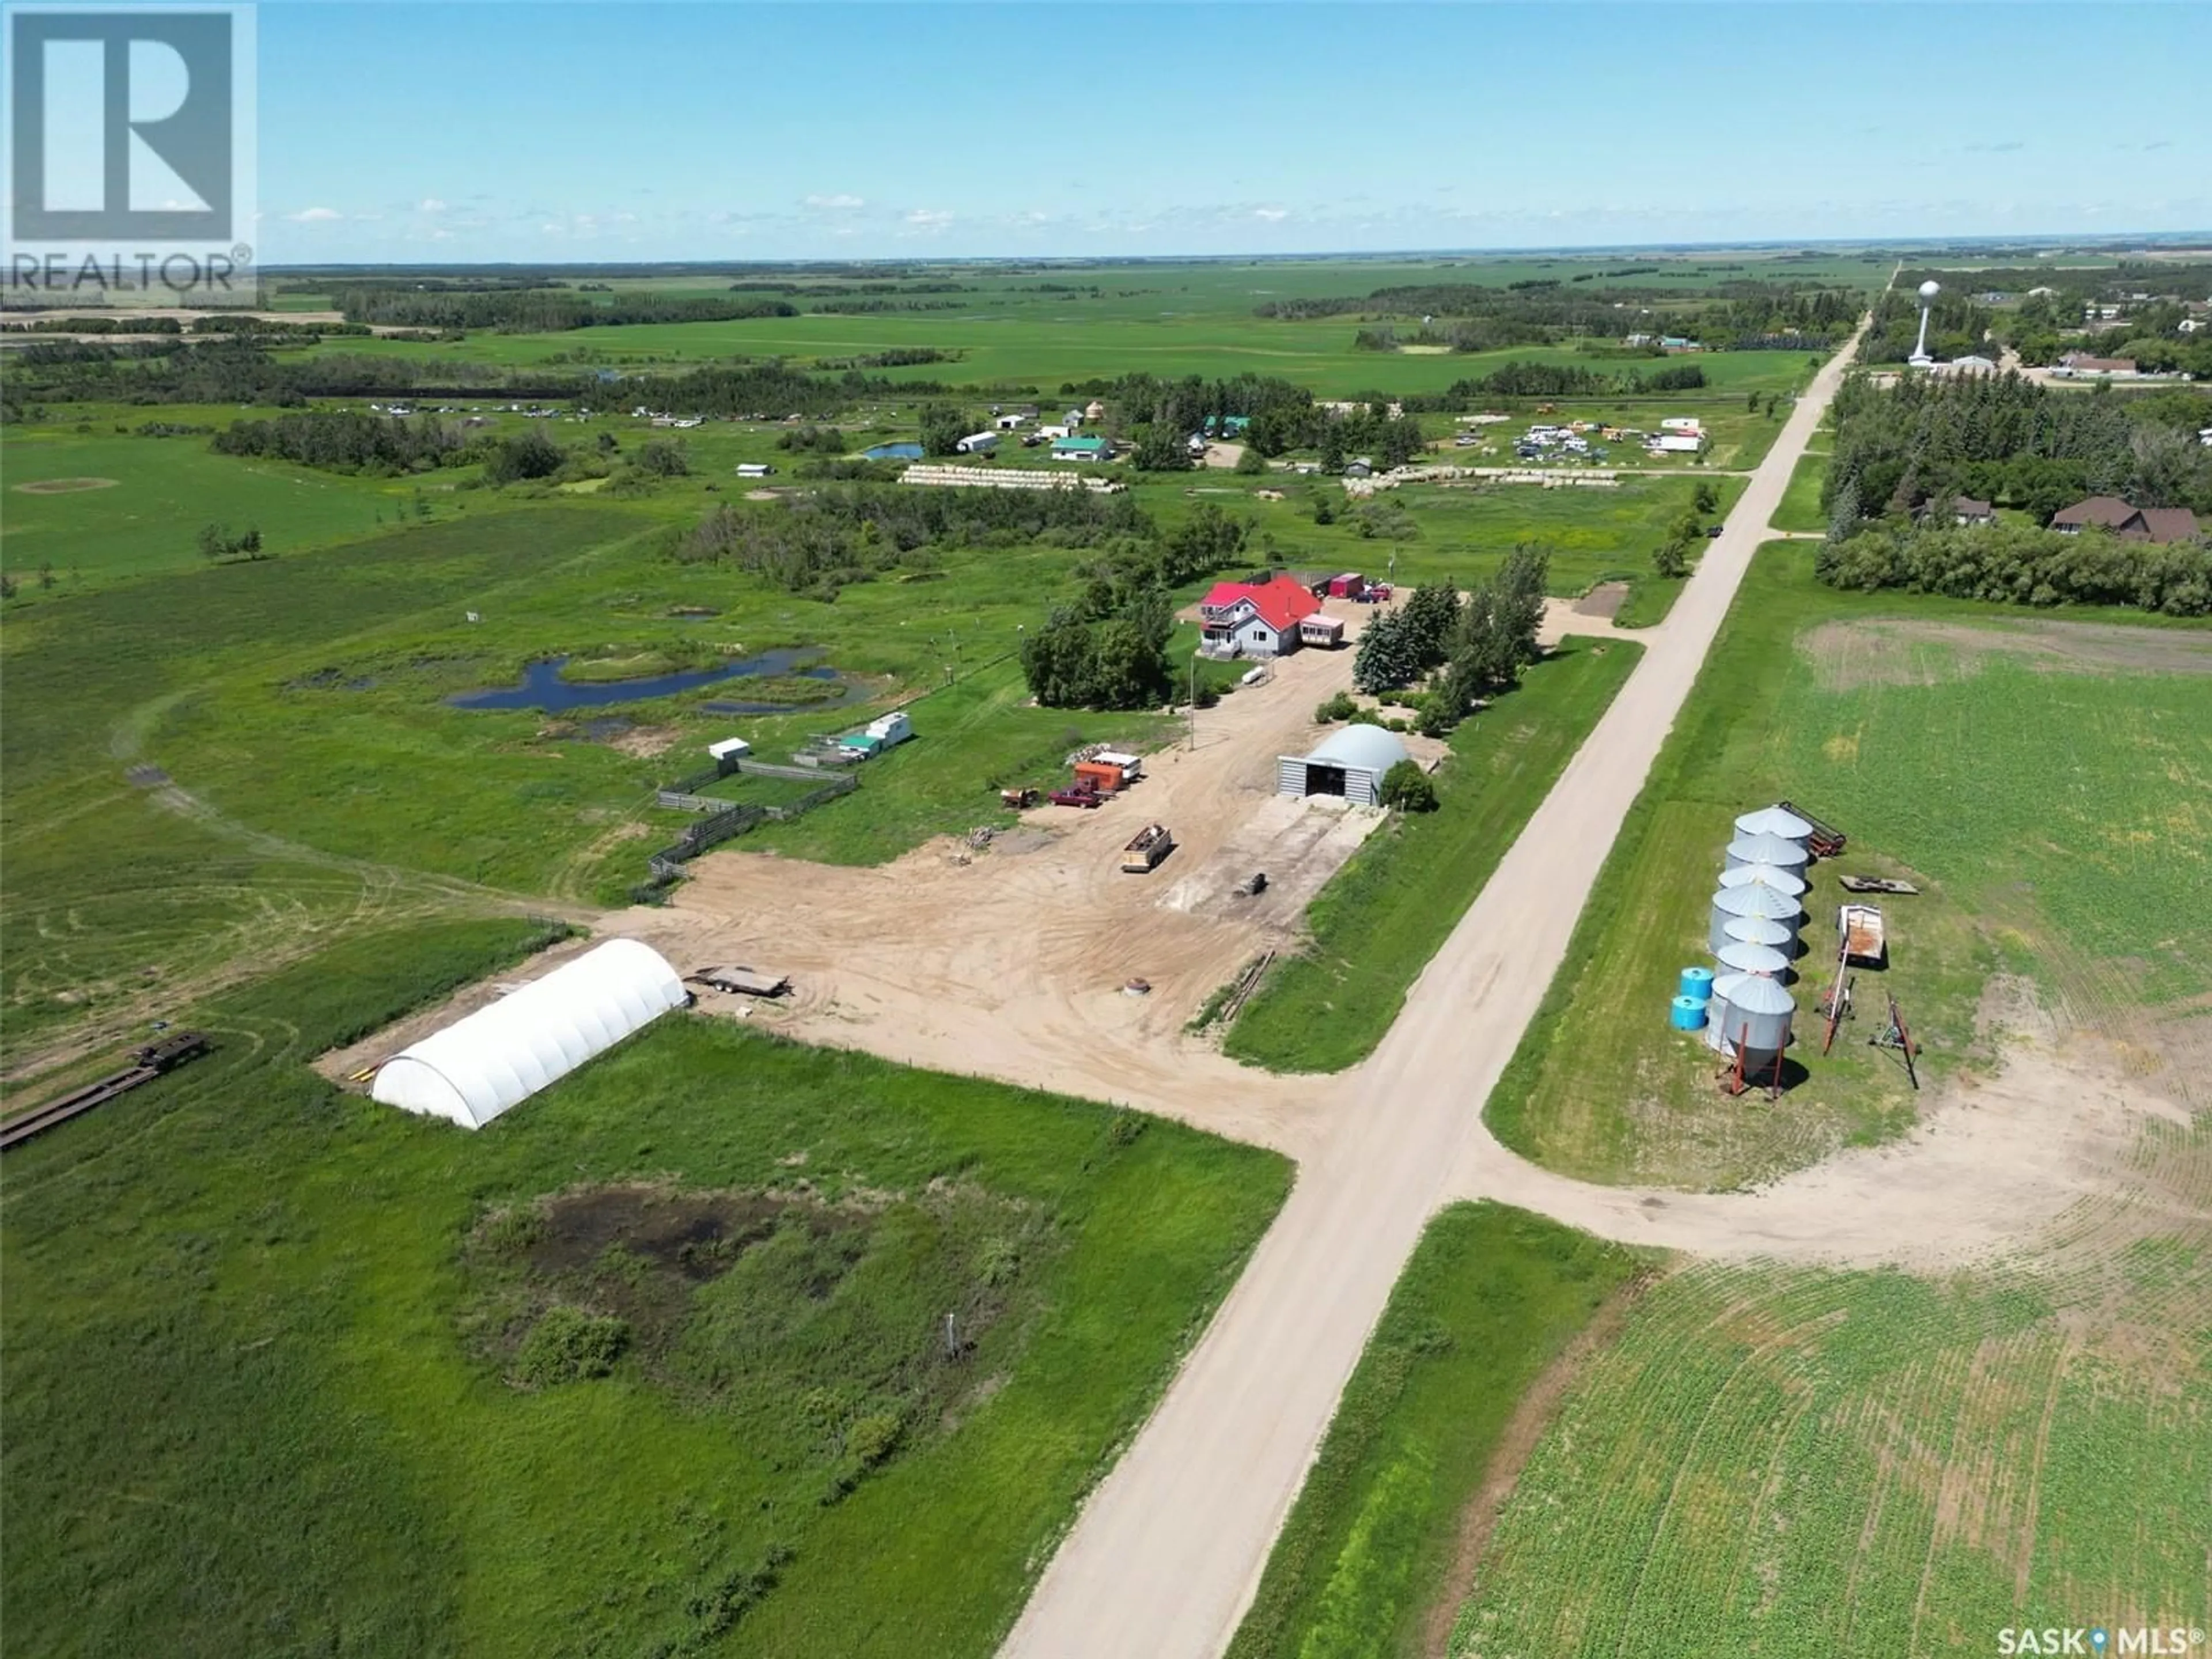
[(130, 138)]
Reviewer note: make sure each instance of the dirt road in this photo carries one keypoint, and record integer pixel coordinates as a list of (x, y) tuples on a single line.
[(1165, 1556)]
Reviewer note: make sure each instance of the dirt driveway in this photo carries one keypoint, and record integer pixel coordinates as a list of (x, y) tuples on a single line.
[(1010, 962)]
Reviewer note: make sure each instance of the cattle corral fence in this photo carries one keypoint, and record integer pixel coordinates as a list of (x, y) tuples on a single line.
[(725, 820)]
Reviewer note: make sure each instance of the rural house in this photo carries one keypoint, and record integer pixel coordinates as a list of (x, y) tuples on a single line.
[(1082, 449), (2131, 523), (1254, 619)]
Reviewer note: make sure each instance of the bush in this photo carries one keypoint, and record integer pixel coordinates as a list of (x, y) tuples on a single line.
[(1338, 708), (568, 1345), (1251, 463), (1408, 788)]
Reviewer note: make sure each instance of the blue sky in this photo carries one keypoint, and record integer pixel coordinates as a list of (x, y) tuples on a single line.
[(618, 131)]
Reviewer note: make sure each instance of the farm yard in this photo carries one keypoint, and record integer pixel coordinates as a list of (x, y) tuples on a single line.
[(607, 1377), (661, 1363), (2042, 783)]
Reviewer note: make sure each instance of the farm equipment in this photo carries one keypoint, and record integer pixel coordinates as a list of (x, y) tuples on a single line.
[(1018, 798), (1897, 1036), (1874, 884), (1827, 842), (152, 1060), (1865, 940), (1075, 795), (1146, 849)]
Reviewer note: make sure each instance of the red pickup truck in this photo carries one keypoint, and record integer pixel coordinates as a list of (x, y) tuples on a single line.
[(1075, 797)]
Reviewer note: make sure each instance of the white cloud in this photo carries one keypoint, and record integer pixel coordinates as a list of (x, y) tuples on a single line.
[(314, 216), (1271, 214), (924, 219), (840, 200), (430, 204)]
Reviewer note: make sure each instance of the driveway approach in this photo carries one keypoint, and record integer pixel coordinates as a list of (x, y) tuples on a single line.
[(1167, 1553)]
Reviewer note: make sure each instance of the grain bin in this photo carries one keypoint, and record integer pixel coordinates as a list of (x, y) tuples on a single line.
[(1766, 875), (1777, 850), (1761, 930), (1739, 956), (1758, 1017), (1775, 821), (1750, 900), (1697, 983)]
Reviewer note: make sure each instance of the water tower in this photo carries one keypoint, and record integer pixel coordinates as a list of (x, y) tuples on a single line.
[(1929, 291)]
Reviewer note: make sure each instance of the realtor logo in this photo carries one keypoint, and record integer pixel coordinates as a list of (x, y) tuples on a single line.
[(129, 138)]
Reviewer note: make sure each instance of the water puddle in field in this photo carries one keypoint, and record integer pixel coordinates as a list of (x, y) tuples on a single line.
[(542, 688), (893, 453)]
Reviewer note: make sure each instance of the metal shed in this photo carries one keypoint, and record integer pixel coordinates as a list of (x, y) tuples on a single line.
[(1763, 849), (1350, 762)]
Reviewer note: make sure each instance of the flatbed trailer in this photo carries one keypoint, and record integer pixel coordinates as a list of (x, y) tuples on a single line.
[(153, 1059)]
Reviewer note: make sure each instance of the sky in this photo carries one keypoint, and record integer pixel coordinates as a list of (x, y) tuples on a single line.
[(722, 132)]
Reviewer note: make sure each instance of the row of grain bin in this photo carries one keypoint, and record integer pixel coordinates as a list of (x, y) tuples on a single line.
[(1756, 912)]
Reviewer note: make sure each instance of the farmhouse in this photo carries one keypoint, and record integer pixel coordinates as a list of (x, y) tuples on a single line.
[(1350, 762), (2131, 523), (1966, 510), (1256, 619), (498, 1056), (1082, 449)]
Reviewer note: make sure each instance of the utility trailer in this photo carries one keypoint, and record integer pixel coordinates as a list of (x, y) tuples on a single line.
[(1146, 849), (1825, 842), (152, 1059), (1864, 939)]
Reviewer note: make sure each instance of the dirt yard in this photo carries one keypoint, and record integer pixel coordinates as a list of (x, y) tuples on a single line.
[(1012, 962)]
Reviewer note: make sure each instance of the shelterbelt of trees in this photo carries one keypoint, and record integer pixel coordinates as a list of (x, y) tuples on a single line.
[(2001, 438), (1543, 311), (1903, 452), (543, 310)]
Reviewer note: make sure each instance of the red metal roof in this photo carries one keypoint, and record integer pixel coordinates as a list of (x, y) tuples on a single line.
[(1282, 602)]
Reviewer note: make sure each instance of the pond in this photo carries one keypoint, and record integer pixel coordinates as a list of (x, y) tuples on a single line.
[(542, 688), (893, 453)]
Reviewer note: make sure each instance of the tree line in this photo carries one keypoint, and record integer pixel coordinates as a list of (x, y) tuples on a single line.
[(2001, 438), (2017, 565), (1465, 649), (540, 310)]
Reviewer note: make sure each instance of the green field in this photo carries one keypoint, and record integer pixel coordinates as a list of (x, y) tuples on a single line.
[(1801, 1461), (1381, 918), (1801, 502), (274, 1382), (2053, 809), (1490, 1297)]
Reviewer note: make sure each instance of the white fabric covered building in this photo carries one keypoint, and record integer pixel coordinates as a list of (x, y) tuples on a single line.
[(501, 1054)]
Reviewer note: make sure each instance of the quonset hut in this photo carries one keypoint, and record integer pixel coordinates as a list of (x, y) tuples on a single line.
[(1350, 762), (498, 1056)]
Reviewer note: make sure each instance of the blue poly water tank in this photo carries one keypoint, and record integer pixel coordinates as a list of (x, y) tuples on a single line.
[(1697, 983), (1688, 1014)]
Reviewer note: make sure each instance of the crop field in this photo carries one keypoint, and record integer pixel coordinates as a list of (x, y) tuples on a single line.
[(1804, 1461), (654, 1365), (1490, 1297), (1380, 917), (2045, 784)]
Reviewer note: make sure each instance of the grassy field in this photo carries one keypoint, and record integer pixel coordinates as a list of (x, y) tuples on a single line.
[(2053, 813), (1490, 1297), (1801, 502), (283, 1370), (1801, 1461), (1379, 920)]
